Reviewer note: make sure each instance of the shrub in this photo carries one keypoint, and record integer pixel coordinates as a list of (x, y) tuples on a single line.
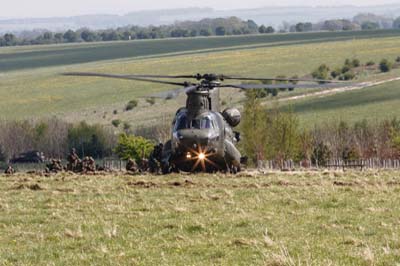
[(345, 69), (322, 72), (91, 140), (370, 63), (115, 112), (134, 147), (321, 154), (131, 104), (398, 59), (127, 126), (385, 65), (116, 122), (336, 73), (151, 100), (356, 62), (348, 76)]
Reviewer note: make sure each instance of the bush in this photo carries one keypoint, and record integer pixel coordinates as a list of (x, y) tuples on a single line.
[(115, 112), (385, 65), (127, 126), (131, 104), (322, 72), (370, 63), (336, 73), (345, 69), (347, 76), (151, 100), (91, 140), (134, 147), (116, 122), (356, 62), (398, 59), (321, 154)]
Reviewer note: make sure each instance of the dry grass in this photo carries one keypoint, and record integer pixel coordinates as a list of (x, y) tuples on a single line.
[(249, 219)]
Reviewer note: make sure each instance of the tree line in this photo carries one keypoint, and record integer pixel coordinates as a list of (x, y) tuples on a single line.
[(359, 22), (273, 134), (277, 135), (205, 27)]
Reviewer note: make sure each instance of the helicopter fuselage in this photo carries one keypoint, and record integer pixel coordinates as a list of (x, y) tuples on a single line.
[(202, 140)]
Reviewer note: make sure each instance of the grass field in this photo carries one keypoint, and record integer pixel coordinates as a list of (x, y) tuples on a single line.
[(32, 87), (251, 219), (17, 58), (373, 104)]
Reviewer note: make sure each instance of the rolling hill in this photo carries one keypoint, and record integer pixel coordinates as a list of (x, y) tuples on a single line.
[(32, 87)]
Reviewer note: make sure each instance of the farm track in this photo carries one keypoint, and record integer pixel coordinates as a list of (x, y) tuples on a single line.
[(330, 92)]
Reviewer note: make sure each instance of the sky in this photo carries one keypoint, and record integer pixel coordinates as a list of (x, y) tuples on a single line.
[(50, 8)]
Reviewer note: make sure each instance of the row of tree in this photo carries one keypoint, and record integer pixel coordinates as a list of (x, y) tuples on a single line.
[(205, 27), (359, 22), (278, 135), (54, 138), (268, 135)]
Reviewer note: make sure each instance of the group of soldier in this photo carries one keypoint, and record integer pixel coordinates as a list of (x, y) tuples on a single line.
[(87, 165), (75, 164), (152, 165)]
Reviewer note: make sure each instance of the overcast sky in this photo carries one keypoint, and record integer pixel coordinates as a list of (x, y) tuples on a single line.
[(48, 8)]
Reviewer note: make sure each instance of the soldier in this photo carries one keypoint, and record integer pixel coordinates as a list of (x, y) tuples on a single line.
[(88, 165), (73, 161), (155, 158), (144, 165), (9, 170), (131, 166), (54, 167)]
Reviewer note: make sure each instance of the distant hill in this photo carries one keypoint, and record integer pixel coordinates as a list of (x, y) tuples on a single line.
[(268, 15)]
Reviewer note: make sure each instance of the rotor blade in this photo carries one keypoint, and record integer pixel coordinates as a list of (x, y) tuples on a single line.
[(165, 76), (285, 86), (280, 79), (172, 94), (127, 77)]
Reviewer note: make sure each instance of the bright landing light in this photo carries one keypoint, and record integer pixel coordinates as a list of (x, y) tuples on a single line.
[(202, 156)]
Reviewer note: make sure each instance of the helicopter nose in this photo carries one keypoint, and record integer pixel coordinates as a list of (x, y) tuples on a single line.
[(194, 138)]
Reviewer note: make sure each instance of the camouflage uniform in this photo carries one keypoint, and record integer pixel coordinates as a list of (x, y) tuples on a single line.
[(73, 161), (155, 158), (88, 165), (55, 166), (131, 166), (9, 170)]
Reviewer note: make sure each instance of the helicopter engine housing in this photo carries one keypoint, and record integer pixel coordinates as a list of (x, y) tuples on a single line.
[(232, 116)]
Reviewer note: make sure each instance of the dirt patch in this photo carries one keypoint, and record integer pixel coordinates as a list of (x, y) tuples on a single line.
[(34, 187), (142, 184), (343, 184)]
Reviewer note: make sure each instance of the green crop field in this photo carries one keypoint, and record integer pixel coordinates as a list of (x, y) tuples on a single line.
[(374, 104), (251, 219), (32, 88)]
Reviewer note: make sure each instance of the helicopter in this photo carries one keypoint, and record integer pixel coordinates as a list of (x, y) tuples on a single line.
[(202, 135)]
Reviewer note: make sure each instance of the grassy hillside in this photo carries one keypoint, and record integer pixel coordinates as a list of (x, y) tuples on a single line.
[(30, 91), (278, 219), (17, 58), (375, 103)]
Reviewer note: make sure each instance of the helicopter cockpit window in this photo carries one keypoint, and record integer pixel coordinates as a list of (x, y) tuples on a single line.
[(181, 122), (202, 123)]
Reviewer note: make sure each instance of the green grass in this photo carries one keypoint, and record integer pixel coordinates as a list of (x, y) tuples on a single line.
[(30, 91), (373, 104), (17, 58), (275, 219)]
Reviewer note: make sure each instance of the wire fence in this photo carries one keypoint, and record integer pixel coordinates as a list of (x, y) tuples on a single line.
[(335, 164)]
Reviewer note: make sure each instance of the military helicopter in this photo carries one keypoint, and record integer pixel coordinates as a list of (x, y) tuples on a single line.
[(202, 137)]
